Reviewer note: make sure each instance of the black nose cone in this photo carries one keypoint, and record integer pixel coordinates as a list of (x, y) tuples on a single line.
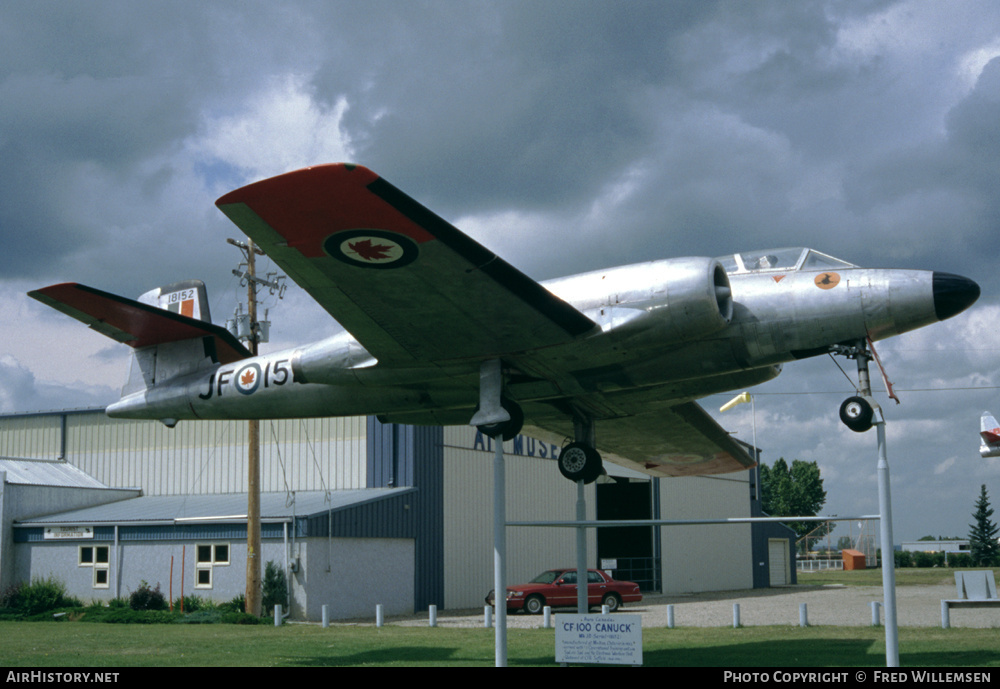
[(953, 294)]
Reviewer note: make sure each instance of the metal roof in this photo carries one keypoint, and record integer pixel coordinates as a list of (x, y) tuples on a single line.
[(205, 509), (46, 472)]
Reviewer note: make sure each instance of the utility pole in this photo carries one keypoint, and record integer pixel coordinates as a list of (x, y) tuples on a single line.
[(254, 591)]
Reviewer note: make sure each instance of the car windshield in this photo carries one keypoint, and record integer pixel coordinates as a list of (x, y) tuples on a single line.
[(545, 577), (787, 259)]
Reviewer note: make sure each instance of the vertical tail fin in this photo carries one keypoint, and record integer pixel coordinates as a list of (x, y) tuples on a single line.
[(188, 298), (169, 328), (989, 433)]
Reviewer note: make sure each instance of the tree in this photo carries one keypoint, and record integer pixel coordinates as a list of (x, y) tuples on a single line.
[(985, 549), (792, 491)]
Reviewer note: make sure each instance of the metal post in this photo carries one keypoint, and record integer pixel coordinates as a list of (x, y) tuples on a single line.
[(888, 559), (736, 615), (500, 553), (803, 615), (487, 616), (581, 551)]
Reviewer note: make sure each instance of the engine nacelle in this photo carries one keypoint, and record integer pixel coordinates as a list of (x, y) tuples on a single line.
[(699, 299), (675, 300), (331, 361)]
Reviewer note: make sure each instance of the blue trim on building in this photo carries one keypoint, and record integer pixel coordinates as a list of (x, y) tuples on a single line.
[(401, 455), (151, 532)]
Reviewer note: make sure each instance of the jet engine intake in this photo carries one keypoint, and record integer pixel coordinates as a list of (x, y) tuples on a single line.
[(699, 299)]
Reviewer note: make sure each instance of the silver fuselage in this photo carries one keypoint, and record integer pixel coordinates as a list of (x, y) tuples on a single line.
[(662, 333)]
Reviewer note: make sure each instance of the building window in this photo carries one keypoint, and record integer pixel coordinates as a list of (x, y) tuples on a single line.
[(210, 555), (96, 557)]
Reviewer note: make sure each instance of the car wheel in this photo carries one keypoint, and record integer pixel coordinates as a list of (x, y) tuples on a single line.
[(612, 601), (534, 604)]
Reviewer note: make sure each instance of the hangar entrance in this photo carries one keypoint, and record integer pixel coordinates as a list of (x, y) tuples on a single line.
[(633, 550)]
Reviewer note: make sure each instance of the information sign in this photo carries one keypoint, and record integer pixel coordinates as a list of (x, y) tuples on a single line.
[(605, 639)]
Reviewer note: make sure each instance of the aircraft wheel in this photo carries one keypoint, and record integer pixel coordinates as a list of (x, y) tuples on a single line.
[(579, 461), (857, 413), (508, 429)]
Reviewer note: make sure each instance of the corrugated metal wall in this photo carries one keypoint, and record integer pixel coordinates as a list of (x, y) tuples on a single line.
[(708, 557), (195, 457), (31, 436), (535, 491)]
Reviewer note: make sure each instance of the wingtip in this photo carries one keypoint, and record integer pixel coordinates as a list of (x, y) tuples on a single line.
[(295, 180)]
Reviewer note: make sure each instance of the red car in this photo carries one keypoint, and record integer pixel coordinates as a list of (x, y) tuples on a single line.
[(557, 587)]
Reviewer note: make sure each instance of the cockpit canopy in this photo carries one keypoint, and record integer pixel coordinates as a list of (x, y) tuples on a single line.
[(786, 260)]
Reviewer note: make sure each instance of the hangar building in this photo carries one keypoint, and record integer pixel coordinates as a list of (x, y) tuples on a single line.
[(356, 512)]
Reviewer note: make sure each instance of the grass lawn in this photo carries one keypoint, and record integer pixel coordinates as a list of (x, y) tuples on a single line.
[(906, 576), (73, 644)]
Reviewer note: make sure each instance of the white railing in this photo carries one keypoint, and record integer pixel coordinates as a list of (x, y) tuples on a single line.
[(811, 565)]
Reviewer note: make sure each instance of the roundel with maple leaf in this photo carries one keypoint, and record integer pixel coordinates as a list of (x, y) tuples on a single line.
[(247, 379), (372, 248)]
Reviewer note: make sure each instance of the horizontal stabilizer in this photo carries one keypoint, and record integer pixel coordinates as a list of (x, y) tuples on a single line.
[(136, 324)]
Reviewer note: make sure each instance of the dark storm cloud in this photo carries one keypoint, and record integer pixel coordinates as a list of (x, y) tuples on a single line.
[(564, 135)]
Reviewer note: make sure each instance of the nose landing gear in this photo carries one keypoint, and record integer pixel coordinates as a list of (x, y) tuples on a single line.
[(858, 411)]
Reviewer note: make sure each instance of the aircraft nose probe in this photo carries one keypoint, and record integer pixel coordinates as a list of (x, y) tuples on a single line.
[(952, 294)]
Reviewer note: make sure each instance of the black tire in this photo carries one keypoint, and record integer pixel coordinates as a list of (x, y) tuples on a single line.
[(534, 604), (507, 429), (612, 601), (857, 413), (579, 461)]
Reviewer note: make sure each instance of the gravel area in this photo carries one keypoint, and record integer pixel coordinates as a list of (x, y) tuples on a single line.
[(917, 606)]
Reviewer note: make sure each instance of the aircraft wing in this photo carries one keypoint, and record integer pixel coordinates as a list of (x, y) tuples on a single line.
[(404, 282), (681, 440), (134, 323), (665, 440)]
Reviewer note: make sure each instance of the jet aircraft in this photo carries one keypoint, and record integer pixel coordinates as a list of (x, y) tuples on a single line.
[(612, 359), (989, 436)]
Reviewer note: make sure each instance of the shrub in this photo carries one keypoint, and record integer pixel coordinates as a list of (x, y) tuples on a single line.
[(922, 559), (959, 560), (237, 604), (41, 595), (904, 558), (275, 587), (145, 598), (194, 604)]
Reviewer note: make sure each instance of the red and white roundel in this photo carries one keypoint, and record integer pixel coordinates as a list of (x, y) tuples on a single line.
[(247, 379), (372, 248)]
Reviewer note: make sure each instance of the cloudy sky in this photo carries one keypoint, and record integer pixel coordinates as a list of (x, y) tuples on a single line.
[(566, 136)]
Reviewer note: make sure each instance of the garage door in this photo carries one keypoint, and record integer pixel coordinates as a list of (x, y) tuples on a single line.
[(777, 555)]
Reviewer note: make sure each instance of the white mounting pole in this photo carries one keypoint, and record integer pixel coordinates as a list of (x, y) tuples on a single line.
[(581, 551), (888, 557), (500, 553)]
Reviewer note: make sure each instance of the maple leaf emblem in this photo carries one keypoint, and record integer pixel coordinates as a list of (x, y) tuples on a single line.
[(247, 378), (371, 252)]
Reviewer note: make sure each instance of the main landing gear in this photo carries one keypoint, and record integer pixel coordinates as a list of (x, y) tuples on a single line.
[(579, 461), (498, 416)]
